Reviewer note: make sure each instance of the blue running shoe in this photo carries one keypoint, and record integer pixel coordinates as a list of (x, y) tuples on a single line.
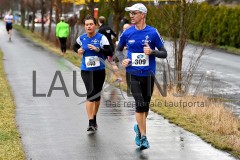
[(144, 143), (138, 135)]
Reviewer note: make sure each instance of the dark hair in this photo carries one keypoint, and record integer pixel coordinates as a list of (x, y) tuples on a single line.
[(90, 17)]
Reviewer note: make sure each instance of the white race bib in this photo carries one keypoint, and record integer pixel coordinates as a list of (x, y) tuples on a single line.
[(140, 59), (92, 61)]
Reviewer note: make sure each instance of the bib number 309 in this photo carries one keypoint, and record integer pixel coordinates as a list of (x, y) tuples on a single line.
[(140, 59)]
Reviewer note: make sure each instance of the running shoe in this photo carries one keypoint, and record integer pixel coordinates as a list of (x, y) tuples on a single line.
[(91, 128), (95, 126), (138, 135), (144, 143)]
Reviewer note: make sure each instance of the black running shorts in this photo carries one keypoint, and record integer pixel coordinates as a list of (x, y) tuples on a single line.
[(93, 81), (141, 88), (8, 26)]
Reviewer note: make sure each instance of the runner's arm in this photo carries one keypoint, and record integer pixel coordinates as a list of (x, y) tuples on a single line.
[(76, 47), (160, 53), (105, 47), (57, 30), (106, 50)]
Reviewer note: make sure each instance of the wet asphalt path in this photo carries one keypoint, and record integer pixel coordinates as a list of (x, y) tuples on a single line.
[(54, 128)]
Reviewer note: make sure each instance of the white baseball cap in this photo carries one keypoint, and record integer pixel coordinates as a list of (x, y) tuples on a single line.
[(137, 7)]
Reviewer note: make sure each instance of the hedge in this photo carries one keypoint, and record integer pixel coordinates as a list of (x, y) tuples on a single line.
[(218, 25)]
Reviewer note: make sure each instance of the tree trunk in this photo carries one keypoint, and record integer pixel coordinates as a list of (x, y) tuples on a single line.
[(42, 16), (33, 16), (116, 20), (91, 7), (27, 17), (118, 7), (58, 10), (182, 42), (23, 9), (50, 20)]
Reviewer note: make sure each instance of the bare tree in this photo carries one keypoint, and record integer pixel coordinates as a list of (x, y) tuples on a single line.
[(33, 15), (91, 5), (179, 19), (5, 5), (58, 9), (43, 10), (118, 7), (23, 10), (72, 21), (28, 15), (50, 19), (182, 43)]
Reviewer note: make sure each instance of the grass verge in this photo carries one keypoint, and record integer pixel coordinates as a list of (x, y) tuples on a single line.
[(213, 123), (228, 49), (10, 141), (36, 37)]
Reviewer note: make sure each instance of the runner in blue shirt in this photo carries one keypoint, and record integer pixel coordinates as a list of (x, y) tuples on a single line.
[(94, 48), (141, 41)]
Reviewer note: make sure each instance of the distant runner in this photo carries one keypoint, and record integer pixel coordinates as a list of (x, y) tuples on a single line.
[(62, 32), (9, 20)]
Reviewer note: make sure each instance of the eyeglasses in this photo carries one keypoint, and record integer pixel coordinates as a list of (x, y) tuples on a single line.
[(134, 13)]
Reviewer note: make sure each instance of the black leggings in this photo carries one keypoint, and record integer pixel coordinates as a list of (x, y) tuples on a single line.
[(63, 42), (93, 81), (142, 89)]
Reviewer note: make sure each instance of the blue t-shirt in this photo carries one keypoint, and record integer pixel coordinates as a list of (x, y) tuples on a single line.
[(91, 59), (135, 40)]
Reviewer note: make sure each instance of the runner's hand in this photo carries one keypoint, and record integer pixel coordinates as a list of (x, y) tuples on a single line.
[(146, 49), (125, 62), (92, 47), (80, 51)]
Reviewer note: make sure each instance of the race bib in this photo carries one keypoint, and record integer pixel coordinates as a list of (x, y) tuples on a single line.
[(92, 61), (140, 59)]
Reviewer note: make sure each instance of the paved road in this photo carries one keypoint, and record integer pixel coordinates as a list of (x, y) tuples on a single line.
[(54, 128), (221, 79), (225, 71)]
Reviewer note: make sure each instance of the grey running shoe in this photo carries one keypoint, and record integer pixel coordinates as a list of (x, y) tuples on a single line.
[(91, 129)]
